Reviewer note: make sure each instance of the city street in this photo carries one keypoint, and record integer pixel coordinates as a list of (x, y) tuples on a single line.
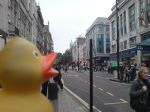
[(109, 96)]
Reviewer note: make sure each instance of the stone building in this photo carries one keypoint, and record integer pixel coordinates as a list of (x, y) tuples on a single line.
[(24, 18), (78, 50), (40, 26), (100, 35), (134, 29), (18, 17), (3, 22), (48, 42)]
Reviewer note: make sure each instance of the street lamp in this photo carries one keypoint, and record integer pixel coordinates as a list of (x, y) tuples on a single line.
[(117, 38)]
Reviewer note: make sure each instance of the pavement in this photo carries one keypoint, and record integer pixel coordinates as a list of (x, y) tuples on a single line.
[(66, 102)]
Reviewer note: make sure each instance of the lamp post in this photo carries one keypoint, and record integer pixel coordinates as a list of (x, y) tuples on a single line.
[(91, 76), (117, 29)]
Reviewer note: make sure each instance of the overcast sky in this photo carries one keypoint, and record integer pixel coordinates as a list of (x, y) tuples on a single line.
[(70, 18)]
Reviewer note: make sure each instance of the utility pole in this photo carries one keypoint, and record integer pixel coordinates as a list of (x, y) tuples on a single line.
[(91, 77), (117, 29)]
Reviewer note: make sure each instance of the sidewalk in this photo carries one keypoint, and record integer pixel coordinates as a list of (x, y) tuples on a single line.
[(67, 103)]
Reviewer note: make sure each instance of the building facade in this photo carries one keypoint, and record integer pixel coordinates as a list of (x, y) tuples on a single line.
[(100, 35), (24, 18), (40, 26), (48, 42), (133, 23), (3, 22), (78, 50)]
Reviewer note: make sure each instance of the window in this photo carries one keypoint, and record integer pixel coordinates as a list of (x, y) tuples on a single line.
[(148, 10), (132, 18), (113, 30), (125, 44), (125, 26), (132, 42), (121, 25), (121, 45), (100, 43), (100, 29), (114, 48), (107, 43), (107, 29), (141, 9), (141, 4)]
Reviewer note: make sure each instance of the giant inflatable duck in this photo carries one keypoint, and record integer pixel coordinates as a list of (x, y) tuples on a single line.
[(22, 71)]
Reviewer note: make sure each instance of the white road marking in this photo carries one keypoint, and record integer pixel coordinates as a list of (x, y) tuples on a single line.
[(101, 89), (109, 93), (102, 77), (79, 99), (123, 100), (115, 103)]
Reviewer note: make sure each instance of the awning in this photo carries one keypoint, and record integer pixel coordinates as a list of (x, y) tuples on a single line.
[(146, 55), (145, 42), (145, 45)]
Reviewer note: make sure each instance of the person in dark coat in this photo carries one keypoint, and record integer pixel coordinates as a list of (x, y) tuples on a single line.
[(57, 79), (140, 92), (127, 74)]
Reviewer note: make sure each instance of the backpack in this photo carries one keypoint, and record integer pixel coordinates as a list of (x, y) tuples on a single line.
[(138, 103)]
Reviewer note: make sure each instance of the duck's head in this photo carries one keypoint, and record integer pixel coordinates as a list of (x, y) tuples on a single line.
[(23, 67)]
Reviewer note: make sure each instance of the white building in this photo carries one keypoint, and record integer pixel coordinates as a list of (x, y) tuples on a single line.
[(100, 35), (78, 50), (133, 24)]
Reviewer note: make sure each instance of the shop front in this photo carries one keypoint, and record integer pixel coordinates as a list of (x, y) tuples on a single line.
[(126, 56), (144, 47)]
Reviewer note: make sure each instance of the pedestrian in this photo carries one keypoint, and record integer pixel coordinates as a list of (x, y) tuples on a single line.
[(127, 74), (58, 79), (121, 71), (133, 72), (140, 92)]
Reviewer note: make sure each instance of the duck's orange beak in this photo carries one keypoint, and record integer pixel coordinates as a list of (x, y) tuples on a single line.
[(48, 62)]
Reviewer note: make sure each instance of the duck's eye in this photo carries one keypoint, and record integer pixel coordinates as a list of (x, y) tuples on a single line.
[(35, 54)]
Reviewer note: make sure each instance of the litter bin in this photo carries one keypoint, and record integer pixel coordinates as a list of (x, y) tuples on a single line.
[(52, 91)]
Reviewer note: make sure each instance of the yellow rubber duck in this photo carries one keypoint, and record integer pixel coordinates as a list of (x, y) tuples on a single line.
[(22, 71)]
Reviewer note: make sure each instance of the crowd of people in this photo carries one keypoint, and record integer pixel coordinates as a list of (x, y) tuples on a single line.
[(127, 72)]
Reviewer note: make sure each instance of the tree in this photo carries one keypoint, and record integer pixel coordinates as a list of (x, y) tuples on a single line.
[(67, 57), (59, 58)]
